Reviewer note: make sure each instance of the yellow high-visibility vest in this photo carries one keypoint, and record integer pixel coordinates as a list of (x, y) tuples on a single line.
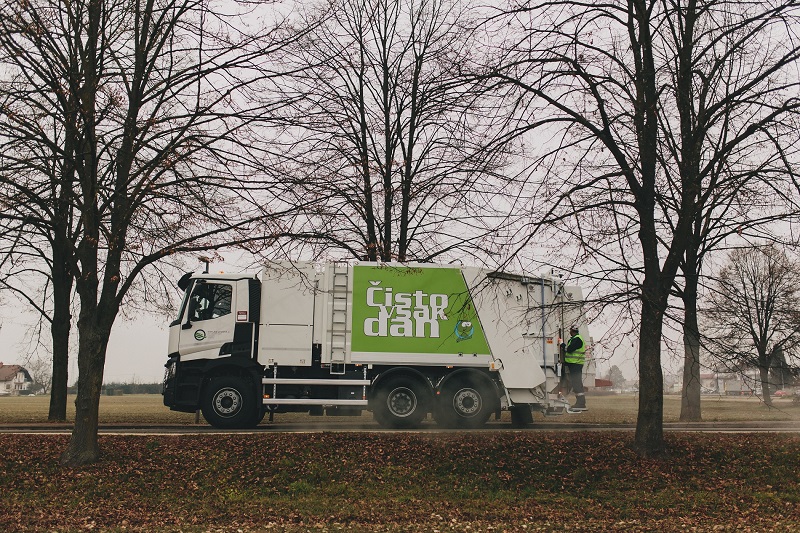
[(579, 355)]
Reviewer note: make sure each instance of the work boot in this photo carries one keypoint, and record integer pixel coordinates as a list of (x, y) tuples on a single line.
[(580, 403)]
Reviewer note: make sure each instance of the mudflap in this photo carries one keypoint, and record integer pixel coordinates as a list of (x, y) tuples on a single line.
[(521, 415)]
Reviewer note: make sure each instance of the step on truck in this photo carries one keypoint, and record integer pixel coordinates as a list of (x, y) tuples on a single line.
[(403, 341)]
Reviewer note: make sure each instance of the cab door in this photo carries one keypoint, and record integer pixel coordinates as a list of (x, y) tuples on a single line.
[(209, 322)]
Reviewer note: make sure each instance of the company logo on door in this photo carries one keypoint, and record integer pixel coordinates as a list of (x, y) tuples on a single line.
[(414, 310), (404, 314)]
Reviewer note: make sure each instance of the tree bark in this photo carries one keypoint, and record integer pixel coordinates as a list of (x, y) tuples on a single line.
[(649, 440), (763, 373), (59, 330), (83, 447), (690, 394)]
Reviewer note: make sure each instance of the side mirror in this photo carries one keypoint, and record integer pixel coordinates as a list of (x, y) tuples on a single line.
[(185, 280)]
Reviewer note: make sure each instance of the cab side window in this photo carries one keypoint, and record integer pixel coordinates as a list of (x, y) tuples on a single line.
[(210, 300)]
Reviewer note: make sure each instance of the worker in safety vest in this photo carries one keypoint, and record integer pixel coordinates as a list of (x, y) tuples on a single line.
[(574, 359)]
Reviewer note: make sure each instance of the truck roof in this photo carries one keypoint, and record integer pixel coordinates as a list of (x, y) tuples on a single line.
[(230, 277)]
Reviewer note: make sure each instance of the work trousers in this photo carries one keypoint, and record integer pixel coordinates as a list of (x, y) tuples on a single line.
[(575, 377)]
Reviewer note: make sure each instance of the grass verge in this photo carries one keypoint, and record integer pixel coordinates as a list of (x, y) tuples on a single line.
[(609, 409)]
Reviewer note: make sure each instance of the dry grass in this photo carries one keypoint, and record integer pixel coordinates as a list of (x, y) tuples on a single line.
[(610, 409), (622, 409), (130, 409)]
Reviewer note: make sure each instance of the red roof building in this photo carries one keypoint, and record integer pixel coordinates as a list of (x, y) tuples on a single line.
[(14, 380)]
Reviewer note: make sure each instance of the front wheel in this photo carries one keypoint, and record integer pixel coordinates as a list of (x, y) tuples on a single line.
[(229, 403)]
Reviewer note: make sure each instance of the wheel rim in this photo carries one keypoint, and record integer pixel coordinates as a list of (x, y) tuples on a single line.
[(402, 402), (227, 402), (467, 402)]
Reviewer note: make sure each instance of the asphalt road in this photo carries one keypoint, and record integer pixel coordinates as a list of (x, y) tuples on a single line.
[(323, 426)]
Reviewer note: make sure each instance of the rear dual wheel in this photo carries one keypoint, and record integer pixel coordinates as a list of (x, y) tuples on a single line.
[(466, 403)]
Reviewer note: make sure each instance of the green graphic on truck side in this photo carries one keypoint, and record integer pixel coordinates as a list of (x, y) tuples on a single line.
[(414, 310)]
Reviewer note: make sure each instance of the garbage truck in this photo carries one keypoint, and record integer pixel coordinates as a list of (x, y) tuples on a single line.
[(404, 341)]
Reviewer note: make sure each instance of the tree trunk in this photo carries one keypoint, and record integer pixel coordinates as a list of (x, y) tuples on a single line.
[(83, 447), (763, 374), (649, 440), (58, 394), (690, 395), (59, 329), (62, 265)]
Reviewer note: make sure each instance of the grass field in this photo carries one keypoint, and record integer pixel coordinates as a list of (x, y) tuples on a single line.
[(610, 409)]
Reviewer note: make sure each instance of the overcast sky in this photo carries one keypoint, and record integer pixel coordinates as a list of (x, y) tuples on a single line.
[(136, 351)]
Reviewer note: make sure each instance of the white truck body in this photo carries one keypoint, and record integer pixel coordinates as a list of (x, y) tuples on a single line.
[(338, 336)]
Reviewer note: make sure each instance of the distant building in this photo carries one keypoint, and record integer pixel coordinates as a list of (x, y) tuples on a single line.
[(603, 384), (744, 383), (710, 382), (673, 383), (14, 380)]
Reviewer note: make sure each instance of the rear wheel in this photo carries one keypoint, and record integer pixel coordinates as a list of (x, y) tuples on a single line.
[(401, 402), (229, 403), (466, 402), (258, 416)]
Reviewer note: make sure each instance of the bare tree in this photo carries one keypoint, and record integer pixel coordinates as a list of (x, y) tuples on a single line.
[(588, 76), (41, 373), (386, 135), (609, 87), (729, 119), (38, 226), (158, 90), (752, 315)]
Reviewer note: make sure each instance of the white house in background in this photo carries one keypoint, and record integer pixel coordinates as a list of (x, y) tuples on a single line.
[(14, 380)]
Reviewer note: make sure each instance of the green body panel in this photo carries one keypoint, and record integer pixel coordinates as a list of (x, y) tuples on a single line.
[(414, 310)]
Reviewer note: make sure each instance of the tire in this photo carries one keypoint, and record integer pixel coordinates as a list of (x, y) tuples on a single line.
[(258, 416), (229, 403), (401, 402), (466, 403)]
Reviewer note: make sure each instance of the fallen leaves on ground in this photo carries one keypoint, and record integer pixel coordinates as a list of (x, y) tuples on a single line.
[(477, 481)]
